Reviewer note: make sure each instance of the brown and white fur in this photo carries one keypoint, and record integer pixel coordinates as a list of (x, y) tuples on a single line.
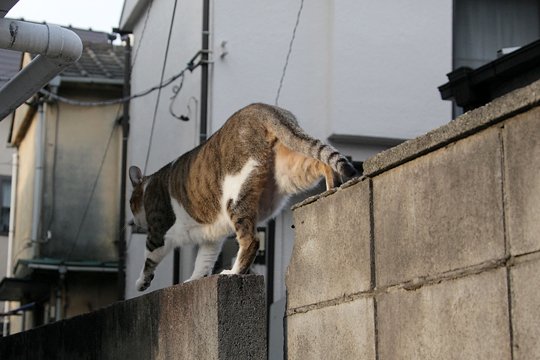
[(241, 176)]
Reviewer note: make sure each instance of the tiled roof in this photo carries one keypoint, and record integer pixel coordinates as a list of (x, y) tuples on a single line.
[(98, 63)]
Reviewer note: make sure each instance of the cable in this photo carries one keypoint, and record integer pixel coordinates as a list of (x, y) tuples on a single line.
[(176, 91), (94, 186), (142, 33), (116, 101), (159, 90), (290, 50)]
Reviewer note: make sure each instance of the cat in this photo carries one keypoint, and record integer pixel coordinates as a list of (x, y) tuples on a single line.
[(240, 177)]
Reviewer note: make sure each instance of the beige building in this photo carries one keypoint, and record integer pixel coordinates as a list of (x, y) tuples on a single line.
[(10, 63), (64, 256)]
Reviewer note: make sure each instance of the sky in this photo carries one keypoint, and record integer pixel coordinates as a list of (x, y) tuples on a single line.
[(100, 15)]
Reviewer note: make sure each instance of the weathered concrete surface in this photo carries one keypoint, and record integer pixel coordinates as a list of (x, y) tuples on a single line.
[(219, 317), (335, 332), (498, 110), (525, 281), (454, 219), (465, 318), (440, 212), (331, 255), (522, 181)]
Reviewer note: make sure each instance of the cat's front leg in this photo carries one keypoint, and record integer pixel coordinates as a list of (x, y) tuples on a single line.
[(147, 275), (206, 258), (152, 259)]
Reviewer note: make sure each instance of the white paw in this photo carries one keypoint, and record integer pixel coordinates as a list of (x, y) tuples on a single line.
[(143, 283), (227, 272)]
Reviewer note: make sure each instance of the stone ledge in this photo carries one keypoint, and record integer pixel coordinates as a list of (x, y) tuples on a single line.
[(218, 317), (473, 121)]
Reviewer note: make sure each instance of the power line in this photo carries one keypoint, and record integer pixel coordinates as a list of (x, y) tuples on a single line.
[(139, 42), (290, 50), (159, 90), (160, 86)]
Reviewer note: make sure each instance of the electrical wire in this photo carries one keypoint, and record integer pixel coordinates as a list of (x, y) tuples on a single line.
[(73, 102), (139, 42), (159, 90), (289, 52), (176, 91)]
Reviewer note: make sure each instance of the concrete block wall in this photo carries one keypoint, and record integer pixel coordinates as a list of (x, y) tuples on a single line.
[(218, 317), (434, 254)]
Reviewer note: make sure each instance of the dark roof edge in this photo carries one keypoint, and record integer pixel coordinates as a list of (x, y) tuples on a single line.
[(365, 140), (90, 80), (464, 81)]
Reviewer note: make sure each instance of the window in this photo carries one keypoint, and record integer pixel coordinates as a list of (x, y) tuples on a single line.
[(5, 199)]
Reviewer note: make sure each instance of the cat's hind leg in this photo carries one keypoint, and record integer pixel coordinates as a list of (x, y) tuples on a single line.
[(206, 258), (248, 245), (152, 259), (243, 215)]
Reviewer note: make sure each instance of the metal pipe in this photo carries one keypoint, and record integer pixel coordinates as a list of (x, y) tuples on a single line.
[(125, 136), (205, 57), (60, 290), (57, 48), (185, 260), (12, 211)]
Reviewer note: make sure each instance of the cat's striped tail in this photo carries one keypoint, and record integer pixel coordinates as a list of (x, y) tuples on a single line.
[(287, 130)]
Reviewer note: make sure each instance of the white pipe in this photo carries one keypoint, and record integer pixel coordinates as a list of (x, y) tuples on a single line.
[(38, 180), (57, 48), (12, 211)]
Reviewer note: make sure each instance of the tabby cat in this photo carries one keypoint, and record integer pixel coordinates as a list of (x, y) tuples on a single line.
[(241, 176)]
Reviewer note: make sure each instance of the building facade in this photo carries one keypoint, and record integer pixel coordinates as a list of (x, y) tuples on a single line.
[(63, 256)]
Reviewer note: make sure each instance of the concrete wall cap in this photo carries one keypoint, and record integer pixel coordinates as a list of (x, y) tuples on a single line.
[(314, 198)]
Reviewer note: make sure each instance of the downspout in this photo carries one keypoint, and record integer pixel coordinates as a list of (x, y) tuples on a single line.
[(35, 237), (205, 57), (203, 130), (12, 205), (57, 48), (11, 234), (123, 181)]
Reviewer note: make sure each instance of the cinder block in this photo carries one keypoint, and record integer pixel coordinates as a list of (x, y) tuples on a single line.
[(331, 255), (524, 280), (344, 331), (218, 317), (465, 318), (440, 212), (522, 181)]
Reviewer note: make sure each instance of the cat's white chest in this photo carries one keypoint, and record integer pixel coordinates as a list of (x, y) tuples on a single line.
[(188, 231)]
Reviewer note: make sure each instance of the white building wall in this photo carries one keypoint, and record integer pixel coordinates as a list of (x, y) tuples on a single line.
[(388, 58), (367, 68)]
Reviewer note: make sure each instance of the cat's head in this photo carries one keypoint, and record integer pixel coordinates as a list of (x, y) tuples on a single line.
[(136, 202)]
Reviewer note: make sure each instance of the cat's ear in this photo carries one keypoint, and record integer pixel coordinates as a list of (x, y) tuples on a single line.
[(135, 175)]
